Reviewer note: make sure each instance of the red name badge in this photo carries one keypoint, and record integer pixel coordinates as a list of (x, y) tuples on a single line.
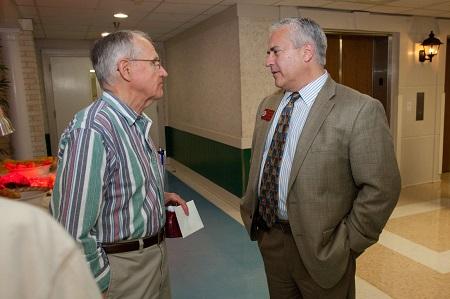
[(267, 114)]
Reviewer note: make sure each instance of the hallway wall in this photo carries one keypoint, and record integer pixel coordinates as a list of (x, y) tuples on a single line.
[(204, 109), (418, 143)]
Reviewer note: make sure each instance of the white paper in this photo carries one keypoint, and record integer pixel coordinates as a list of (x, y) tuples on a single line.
[(188, 224)]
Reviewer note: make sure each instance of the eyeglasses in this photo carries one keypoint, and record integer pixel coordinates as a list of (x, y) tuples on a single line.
[(155, 62)]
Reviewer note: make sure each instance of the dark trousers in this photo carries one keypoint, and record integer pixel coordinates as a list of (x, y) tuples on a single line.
[(286, 274)]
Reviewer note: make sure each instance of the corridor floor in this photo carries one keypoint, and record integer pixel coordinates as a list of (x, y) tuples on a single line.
[(411, 259)]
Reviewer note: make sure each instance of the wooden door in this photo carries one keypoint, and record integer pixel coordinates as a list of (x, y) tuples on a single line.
[(446, 145), (357, 56)]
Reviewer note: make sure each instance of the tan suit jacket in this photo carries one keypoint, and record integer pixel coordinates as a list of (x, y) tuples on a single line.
[(344, 181)]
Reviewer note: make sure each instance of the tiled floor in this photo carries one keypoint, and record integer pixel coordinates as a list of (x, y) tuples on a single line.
[(412, 257)]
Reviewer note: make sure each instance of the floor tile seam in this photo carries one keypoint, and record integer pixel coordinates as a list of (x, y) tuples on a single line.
[(416, 208), (437, 261), (368, 290)]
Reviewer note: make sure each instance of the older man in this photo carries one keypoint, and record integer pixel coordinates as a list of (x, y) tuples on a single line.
[(109, 192), (323, 178)]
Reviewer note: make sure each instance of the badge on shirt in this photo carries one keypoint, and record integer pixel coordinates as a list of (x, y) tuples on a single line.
[(267, 114)]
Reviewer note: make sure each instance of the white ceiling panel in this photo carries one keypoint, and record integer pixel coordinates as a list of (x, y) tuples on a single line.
[(197, 20), (65, 34), (68, 3), (216, 9), (175, 8), (73, 27), (445, 15), (183, 18), (424, 12), (208, 2), (374, 2), (442, 6), (313, 3), (86, 19), (66, 22), (256, 2), (349, 6), (107, 14), (45, 11), (127, 6), (389, 9), (414, 3), (159, 24)]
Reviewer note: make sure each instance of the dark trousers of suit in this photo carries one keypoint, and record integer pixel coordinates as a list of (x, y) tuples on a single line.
[(286, 274)]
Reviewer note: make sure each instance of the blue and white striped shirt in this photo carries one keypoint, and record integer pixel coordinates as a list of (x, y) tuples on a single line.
[(298, 118), (109, 182)]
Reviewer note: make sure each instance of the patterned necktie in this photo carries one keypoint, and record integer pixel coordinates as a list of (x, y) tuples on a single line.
[(268, 201)]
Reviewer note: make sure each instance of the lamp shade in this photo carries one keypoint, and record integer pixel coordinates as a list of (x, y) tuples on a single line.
[(6, 127), (430, 48)]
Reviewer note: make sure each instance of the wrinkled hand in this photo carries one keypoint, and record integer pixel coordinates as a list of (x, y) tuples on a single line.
[(176, 200)]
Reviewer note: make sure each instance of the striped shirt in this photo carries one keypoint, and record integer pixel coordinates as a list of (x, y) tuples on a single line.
[(299, 115), (109, 182)]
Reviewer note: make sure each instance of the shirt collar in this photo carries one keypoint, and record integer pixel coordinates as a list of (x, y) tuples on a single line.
[(309, 92), (129, 114)]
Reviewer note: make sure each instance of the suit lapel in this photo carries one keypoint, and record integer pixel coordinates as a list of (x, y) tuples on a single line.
[(317, 115), (262, 129)]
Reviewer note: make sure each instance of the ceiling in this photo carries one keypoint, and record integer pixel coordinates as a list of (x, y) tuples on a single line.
[(162, 19)]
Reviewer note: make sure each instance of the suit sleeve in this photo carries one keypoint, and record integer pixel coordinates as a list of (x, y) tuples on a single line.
[(375, 172)]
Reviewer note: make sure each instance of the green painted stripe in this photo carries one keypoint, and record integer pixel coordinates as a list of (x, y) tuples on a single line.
[(222, 164)]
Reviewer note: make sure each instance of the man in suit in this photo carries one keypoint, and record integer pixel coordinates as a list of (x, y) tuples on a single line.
[(323, 178)]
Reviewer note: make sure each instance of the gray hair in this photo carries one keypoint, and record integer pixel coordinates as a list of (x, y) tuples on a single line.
[(109, 50), (303, 31)]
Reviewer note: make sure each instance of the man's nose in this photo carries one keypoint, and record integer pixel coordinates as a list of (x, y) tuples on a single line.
[(270, 59), (163, 72)]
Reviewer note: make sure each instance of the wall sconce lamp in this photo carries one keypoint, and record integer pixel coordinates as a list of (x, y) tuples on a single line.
[(430, 48)]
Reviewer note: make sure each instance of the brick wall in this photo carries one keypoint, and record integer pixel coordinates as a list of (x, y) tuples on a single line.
[(33, 93), (5, 141)]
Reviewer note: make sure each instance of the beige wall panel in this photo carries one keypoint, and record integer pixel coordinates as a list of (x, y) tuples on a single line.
[(256, 80), (427, 126), (417, 160), (204, 95)]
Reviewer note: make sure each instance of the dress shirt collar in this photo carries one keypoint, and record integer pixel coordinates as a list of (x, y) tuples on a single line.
[(129, 114), (309, 92)]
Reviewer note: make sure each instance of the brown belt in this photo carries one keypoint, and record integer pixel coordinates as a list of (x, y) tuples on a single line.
[(283, 225), (133, 245)]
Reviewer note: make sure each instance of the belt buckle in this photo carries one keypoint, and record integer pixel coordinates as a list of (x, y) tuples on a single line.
[(141, 244)]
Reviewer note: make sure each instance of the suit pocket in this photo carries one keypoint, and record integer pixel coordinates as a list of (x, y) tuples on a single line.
[(327, 236)]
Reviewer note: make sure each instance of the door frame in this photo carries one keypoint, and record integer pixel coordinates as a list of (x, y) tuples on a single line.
[(47, 54)]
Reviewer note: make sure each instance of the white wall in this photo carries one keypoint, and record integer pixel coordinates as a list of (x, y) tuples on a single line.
[(204, 81), (192, 55)]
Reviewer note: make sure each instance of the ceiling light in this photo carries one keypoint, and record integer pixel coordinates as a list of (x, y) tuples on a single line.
[(91, 71), (120, 15), (105, 34)]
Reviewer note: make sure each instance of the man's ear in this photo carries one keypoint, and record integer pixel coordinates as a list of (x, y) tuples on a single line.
[(123, 67), (308, 52)]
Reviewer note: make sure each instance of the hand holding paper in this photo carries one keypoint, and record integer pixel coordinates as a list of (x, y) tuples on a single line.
[(188, 224)]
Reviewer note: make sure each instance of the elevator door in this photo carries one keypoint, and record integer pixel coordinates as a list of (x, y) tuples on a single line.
[(360, 62)]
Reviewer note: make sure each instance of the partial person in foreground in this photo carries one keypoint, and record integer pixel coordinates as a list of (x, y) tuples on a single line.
[(323, 177), (109, 188), (38, 259)]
